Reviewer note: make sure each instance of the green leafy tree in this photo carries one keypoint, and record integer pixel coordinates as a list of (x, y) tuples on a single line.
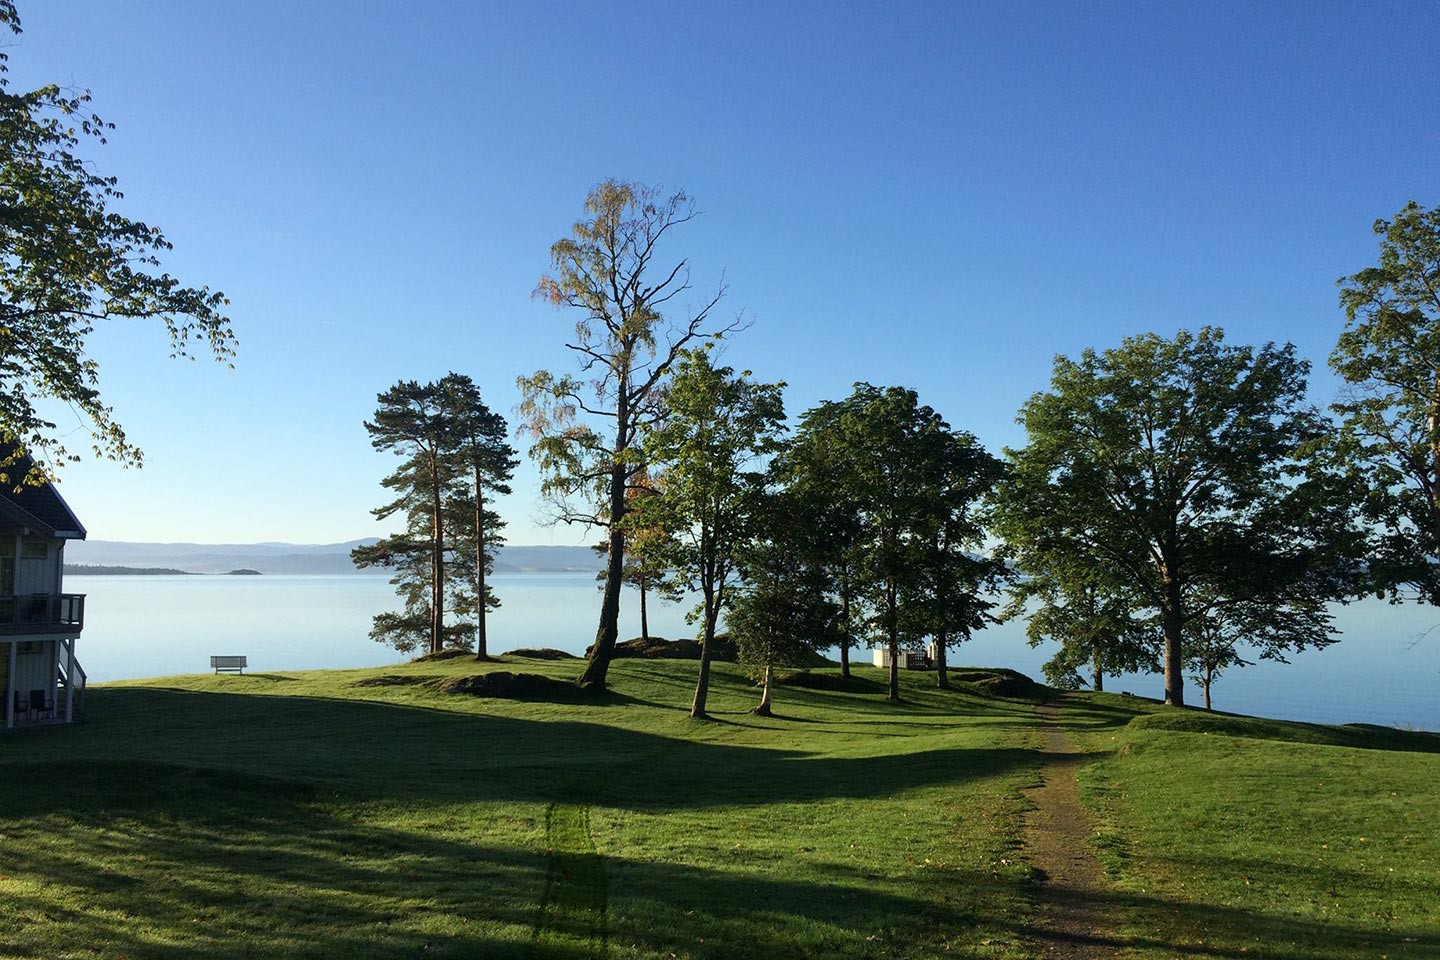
[(1095, 620), (413, 421), (891, 460), (719, 428), (483, 463), (818, 479), (959, 581), (586, 428), (1388, 444), (67, 263), (1171, 466), (1245, 625), (783, 613), (645, 555)]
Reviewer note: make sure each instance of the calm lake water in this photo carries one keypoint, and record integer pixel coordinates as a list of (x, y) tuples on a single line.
[(1385, 669)]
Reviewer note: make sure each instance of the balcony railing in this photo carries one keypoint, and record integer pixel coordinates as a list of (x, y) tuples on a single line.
[(42, 613)]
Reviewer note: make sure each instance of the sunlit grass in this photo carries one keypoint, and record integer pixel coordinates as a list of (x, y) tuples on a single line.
[(301, 815)]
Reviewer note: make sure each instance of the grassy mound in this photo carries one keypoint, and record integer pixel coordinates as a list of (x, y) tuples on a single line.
[(997, 682), (807, 680), (509, 686), (658, 648), (1358, 735), (440, 656), (540, 653)]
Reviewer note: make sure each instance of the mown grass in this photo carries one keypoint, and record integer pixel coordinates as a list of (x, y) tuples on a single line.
[(329, 814), (306, 815), (1231, 836)]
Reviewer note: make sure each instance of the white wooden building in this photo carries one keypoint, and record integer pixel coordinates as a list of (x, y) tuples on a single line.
[(908, 659), (39, 622)]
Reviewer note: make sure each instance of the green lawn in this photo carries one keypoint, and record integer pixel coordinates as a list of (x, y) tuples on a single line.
[(1236, 837), (316, 815)]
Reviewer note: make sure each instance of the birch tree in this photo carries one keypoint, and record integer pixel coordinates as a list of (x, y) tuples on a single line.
[(631, 327)]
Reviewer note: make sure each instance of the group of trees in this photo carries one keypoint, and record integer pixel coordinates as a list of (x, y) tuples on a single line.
[(858, 526), (456, 460), (1178, 503)]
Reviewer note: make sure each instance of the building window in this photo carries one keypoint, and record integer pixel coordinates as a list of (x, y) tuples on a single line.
[(35, 549)]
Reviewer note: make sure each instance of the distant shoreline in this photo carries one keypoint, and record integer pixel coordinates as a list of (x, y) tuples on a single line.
[(106, 570)]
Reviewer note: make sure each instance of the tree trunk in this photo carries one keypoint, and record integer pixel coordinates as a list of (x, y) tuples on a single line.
[(763, 710), (942, 679), (1099, 673), (1208, 678), (1174, 625), (845, 640), (894, 641), (644, 620), (437, 565), (702, 684), (593, 676), (482, 649)]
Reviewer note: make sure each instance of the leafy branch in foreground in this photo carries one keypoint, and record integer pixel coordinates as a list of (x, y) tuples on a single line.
[(67, 262)]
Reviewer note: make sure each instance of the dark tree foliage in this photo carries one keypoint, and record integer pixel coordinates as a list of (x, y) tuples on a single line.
[(68, 262), (784, 612), (959, 581), (412, 421), (1171, 466), (586, 429), (912, 486), (483, 463), (1388, 445), (814, 471), (1099, 624)]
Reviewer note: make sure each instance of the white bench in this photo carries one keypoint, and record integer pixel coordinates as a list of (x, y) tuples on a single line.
[(228, 664)]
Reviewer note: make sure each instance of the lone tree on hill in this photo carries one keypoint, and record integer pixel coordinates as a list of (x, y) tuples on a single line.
[(68, 262), (719, 429), (484, 463), (1171, 466), (1388, 444), (586, 428)]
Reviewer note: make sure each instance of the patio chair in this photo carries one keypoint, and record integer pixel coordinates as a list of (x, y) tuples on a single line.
[(41, 704)]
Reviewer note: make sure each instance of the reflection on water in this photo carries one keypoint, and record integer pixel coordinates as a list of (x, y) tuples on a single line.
[(1385, 669)]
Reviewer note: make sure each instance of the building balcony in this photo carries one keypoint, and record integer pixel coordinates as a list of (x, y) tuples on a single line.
[(59, 613)]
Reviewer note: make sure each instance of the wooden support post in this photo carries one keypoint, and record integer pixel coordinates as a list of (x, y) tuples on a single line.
[(69, 679), (10, 688)]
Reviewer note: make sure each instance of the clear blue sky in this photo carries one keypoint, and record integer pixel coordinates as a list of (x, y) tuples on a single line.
[(938, 195)]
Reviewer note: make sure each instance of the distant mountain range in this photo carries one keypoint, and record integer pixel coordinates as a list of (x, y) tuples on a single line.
[(280, 558)]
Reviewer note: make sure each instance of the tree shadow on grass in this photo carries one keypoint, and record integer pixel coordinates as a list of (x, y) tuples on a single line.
[(176, 863), (382, 749)]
